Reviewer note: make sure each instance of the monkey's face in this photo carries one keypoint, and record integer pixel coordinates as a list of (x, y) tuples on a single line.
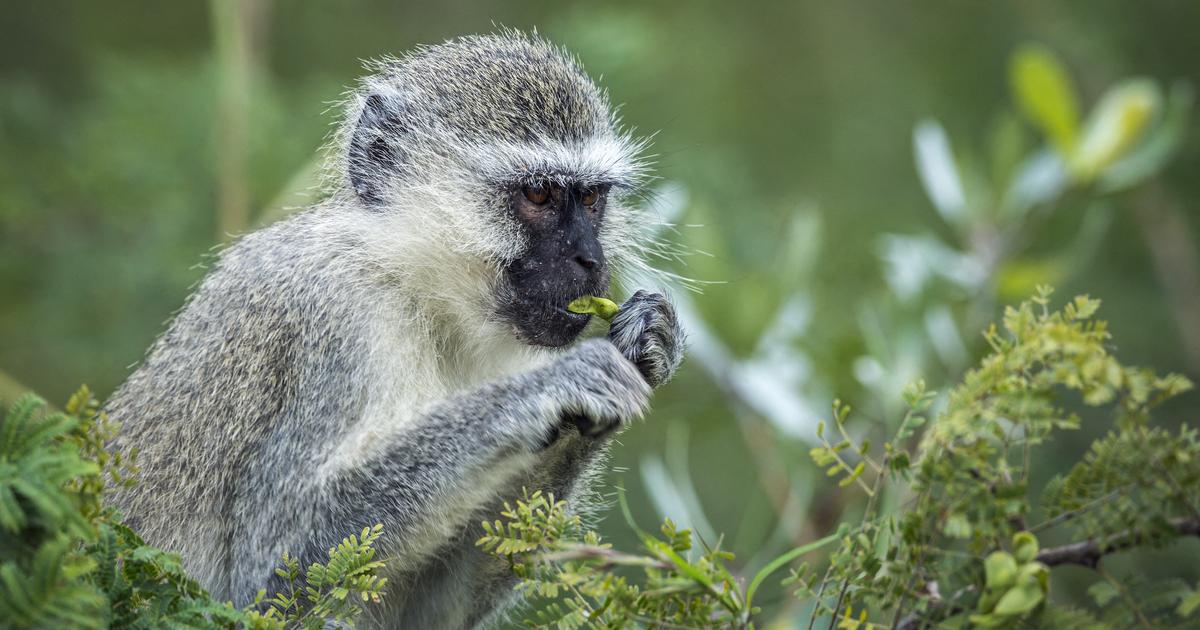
[(563, 260)]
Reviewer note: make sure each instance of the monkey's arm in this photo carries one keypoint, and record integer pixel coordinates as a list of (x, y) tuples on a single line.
[(646, 331), (427, 478)]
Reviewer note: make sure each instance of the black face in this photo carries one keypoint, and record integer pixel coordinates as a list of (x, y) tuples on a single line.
[(564, 260)]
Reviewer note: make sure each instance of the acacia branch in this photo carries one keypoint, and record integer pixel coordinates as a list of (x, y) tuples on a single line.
[(1089, 552), (608, 557)]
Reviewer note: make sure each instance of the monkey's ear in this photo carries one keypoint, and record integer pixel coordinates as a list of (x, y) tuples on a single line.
[(375, 155)]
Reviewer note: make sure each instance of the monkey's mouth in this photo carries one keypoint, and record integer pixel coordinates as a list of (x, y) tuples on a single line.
[(560, 314), (572, 315), (536, 308), (542, 322), (552, 327)]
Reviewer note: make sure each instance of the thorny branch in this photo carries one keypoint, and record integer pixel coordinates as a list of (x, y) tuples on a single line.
[(1089, 552), (1086, 553)]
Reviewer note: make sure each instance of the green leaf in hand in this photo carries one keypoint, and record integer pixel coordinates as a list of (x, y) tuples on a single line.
[(589, 304)]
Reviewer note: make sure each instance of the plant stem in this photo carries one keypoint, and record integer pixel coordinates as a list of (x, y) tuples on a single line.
[(867, 514), (1066, 516), (235, 24), (1125, 596), (1089, 552), (608, 556), (782, 560)]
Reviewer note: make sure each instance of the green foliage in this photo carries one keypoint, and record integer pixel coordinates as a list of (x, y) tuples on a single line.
[(1128, 113), (1138, 602), (332, 591), (1131, 482), (92, 257), (590, 585), (1043, 91), (67, 561), (959, 551), (49, 502), (1008, 404), (1052, 159), (964, 543), (145, 587), (1014, 584)]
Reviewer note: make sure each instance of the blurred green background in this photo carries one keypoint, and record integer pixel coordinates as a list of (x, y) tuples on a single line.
[(857, 186)]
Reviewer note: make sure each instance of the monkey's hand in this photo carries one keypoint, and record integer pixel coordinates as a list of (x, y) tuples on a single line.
[(597, 388), (647, 332)]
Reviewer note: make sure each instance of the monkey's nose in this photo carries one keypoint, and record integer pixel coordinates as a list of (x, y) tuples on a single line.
[(586, 261)]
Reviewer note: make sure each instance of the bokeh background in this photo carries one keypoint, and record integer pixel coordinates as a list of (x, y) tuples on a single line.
[(857, 188)]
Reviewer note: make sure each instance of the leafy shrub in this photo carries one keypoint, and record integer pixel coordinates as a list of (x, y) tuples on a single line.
[(67, 561), (959, 550)]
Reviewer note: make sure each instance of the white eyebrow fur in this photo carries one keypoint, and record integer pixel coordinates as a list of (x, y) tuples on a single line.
[(610, 159)]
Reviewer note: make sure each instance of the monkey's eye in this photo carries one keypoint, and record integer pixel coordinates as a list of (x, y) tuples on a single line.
[(590, 196), (537, 193)]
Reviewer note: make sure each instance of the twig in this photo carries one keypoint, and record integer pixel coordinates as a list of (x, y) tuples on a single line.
[(658, 623), (608, 556), (914, 621), (1089, 552), (1066, 516), (867, 514), (812, 619), (1177, 487), (1120, 588)]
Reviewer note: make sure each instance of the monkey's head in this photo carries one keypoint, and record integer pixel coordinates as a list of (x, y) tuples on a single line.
[(495, 174)]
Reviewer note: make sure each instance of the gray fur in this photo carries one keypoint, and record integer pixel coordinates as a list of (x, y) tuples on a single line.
[(346, 366), (648, 332)]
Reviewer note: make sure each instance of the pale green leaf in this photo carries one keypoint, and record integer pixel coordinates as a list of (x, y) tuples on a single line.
[(1045, 95)]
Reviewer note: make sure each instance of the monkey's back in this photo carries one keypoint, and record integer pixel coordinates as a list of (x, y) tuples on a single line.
[(272, 324)]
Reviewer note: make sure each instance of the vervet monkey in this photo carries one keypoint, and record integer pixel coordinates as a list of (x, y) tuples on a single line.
[(400, 352)]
